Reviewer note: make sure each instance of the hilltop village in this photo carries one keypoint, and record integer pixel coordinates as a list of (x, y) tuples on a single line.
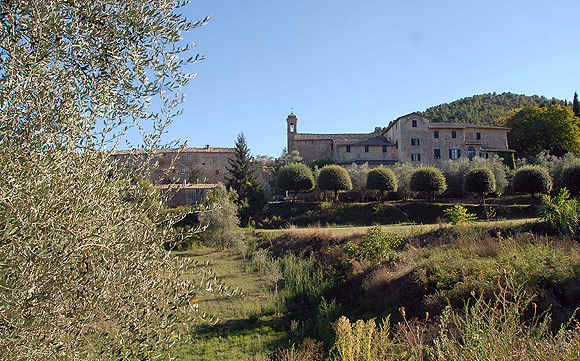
[(413, 138)]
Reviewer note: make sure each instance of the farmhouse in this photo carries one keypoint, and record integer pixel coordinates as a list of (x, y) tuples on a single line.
[(410, 138)]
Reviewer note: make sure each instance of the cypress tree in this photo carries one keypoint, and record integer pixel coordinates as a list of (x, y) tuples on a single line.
[(576, 105), (244, 181)]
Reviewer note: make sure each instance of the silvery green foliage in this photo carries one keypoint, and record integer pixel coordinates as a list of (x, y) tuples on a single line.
[(358, 175), (220, 219), (555, 165), (404, 171), (456, 170), (83, 274)]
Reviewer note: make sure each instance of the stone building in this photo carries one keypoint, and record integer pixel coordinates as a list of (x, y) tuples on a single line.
[(189, 173), (183, 165), (410, 138), (186, 194)]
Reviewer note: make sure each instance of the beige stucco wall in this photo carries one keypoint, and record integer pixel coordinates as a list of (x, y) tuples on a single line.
[(357, 153), (313, 149)]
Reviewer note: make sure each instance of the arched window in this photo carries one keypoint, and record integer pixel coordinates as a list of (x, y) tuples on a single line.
[(471, 153), (291, 128)]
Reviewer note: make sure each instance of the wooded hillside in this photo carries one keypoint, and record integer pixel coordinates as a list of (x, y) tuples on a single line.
[(486, 108)]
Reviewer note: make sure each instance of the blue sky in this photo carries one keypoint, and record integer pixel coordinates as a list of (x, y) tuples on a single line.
[(348, 66)]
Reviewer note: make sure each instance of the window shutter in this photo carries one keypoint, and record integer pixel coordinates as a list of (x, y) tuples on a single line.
[(458, 153), (450, 154)]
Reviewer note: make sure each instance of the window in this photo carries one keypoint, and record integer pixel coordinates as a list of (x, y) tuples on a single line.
[(396, 125), (478, 136), (366, 148), (437, 153), (182, 170), (348, 148), (189, 157), (415, 141), (397, 144), (453, 134), (173, 171), (454, 153), (470, 153), (415, 157), (436, 134), (384, 148), (414, 123), (217, 171), (486, 155), (291, 128), (480, 155)]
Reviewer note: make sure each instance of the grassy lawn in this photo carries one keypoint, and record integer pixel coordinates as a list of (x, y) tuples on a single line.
[(401, 229), (248, 327)]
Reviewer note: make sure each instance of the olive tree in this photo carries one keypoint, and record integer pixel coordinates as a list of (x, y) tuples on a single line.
[(382, 180), (532, 180), (480, 181), (83, 271), (334, 178), (295, 177), (429, 180), (219, 219)]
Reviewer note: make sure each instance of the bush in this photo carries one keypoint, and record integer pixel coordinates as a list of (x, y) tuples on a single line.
[(555, 165), (571, 179), (455, 172), (532, 180), (376, 247), (562, 213), (382, 179), (480, 181), (429, 180), (458, 214), (334, 178), (295, 177)]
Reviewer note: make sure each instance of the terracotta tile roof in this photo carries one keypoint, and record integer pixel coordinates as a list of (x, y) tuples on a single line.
[(173, 150), (309, 136)]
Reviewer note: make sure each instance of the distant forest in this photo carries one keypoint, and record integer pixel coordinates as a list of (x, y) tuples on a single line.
[(485, 109)]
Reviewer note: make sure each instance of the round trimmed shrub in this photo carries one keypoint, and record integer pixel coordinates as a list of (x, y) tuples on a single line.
[(480, 181), (334, 178), (382, 179), (571, 179), (532, 180), (429, 180), (295, 177)]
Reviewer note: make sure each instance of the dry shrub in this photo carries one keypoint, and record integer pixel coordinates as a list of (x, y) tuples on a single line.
[(308, 350)]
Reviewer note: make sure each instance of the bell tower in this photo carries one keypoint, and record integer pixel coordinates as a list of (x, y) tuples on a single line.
[(291, 122)]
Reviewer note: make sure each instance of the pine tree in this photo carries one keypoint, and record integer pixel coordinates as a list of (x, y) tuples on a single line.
[(244, 181), (576, 105)]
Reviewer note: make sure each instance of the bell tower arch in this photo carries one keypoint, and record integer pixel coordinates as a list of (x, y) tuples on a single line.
[(291, 122)]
